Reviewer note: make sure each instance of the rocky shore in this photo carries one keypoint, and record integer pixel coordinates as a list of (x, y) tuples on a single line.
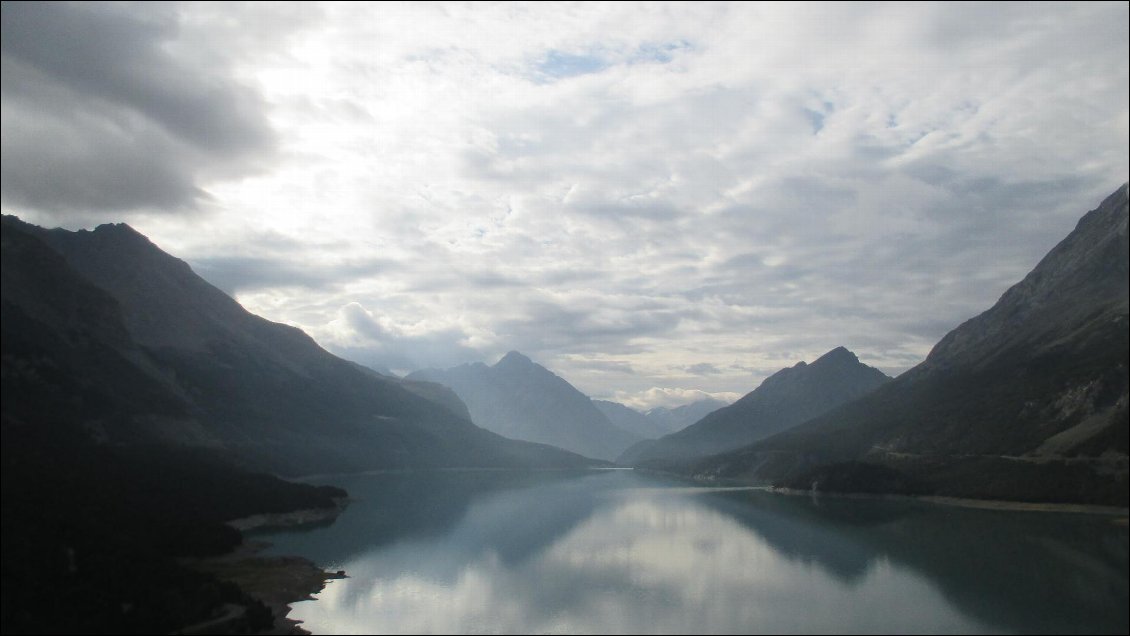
[(274, 581)]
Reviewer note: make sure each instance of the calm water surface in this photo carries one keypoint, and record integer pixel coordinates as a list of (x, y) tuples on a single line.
[(619, 552)]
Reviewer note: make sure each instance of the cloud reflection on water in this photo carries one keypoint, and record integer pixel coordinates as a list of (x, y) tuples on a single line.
[(635, 561)]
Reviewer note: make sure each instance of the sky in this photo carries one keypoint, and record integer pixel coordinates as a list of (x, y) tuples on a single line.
[(658, 202)]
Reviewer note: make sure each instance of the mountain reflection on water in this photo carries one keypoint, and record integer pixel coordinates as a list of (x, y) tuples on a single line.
[(620, 552)]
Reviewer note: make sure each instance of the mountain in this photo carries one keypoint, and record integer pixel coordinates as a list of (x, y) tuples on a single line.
[(680, 417), (521, 399), (156, 355), (628, 419), (784, 399), (92, 527), (137, 403), (1026, 401), (658, 421), (430, 391)]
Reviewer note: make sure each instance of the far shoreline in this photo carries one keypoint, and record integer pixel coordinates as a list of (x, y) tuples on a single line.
[(964, 502), (959, 502)]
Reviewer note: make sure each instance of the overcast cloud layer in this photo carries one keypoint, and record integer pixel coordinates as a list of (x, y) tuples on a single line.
[(653, 200)]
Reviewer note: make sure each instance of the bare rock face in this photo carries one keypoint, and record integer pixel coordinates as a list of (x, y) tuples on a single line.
[(1078, 286), (1026, 401)]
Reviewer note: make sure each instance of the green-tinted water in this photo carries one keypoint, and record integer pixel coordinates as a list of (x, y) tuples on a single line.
[(618, 552)]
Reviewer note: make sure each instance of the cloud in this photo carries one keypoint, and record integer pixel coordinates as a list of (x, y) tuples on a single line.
[(703, 368), (701, 195), (235, 274), (99, 114), (723, 212), (604, 366), (361, 335), (585, 322), (362, 323)]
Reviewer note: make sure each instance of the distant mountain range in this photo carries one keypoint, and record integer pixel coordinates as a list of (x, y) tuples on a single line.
[(677, 418), (1026, 401), (521, 399), (658, 421), (785, 399)]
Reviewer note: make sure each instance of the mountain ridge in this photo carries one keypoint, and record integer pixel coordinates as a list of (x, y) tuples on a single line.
[(519, 398), (658, 421), (677, 418), (786, 398), (264, 392), (1025, 401)]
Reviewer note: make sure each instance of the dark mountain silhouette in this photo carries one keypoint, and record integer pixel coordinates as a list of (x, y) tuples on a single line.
[(521, 399), (170, 359), (135, 397), (785, 399), (92, 527), (1025, 401)]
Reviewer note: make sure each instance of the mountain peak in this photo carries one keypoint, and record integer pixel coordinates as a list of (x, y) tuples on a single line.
[(786, 398), (839, 355), (521, 399), (121, 232), (514, 359), (122, 228)]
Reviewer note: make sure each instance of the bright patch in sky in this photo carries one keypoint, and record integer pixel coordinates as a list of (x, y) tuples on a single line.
[(650, 199)]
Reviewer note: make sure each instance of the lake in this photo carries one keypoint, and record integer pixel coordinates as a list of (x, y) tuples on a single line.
[(622, 552)]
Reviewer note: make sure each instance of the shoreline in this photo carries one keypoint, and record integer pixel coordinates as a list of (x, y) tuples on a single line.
[(959, 502), (274, 581), (294, 518), (965, 502), (313, 477)]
